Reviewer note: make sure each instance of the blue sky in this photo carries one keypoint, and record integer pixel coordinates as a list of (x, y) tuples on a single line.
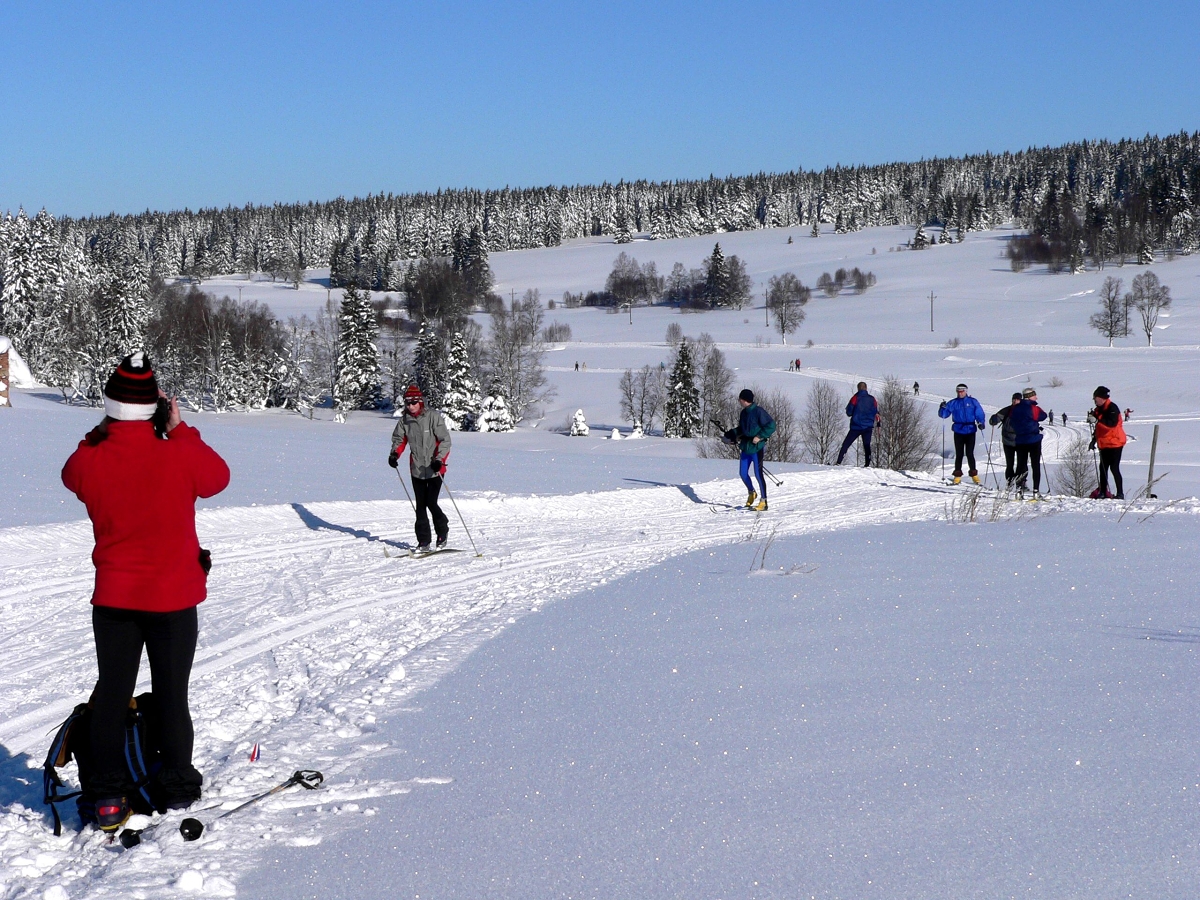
[(123, 106)]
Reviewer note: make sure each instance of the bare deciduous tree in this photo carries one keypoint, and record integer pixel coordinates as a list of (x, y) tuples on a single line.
[(822, 424), (786, 297), (1150, 298), (1111, 321), (642, 395), (905, 440)]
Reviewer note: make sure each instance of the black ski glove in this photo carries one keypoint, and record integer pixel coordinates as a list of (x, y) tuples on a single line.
[(943, 406), (979, 425), (393, 460), (1092, 444), (438, 466)]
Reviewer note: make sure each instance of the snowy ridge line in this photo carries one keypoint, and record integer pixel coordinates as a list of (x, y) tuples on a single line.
[(799, 349)]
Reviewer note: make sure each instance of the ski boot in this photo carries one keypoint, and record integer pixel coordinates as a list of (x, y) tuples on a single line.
[(441, 542), (422, 548), (762, 505), (750, 500), (975, 478), (112, 813), (957, 479)]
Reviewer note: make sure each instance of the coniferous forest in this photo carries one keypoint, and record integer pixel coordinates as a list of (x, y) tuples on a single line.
[(77, 293)]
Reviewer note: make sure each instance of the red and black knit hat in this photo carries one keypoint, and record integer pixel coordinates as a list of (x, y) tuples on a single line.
[(414, 393), (131, 394)]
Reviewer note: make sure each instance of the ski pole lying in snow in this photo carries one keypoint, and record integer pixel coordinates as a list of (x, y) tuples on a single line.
[(191, 829), (460, 515)]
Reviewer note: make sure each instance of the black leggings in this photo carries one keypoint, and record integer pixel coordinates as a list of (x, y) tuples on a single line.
[(964, 443), (170, 642), (426, 491), (1029, 456), (1110, 458)]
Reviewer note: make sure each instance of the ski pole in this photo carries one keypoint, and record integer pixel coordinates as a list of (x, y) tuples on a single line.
[(406, 494), (991, 467), (460, 516), (943, 451)]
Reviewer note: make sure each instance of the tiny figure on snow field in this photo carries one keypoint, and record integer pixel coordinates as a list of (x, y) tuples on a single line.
[(967, 415), (1128, 413), (423, 431), (1027, 433), (864, 416), (1108, 435), (577, 366), (1008, 437), (1064, 418), (1050, 417), (754, 427), (140, 472), (916, 389)]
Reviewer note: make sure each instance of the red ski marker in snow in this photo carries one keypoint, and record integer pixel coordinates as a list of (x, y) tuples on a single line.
[(254, 752)]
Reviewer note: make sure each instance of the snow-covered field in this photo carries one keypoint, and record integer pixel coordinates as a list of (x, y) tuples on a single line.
[(638, 690)]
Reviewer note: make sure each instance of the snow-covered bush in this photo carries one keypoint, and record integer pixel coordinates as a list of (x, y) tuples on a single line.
[(494, 415), (579, 426)]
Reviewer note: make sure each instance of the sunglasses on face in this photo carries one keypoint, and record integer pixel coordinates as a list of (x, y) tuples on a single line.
[(412, 402)]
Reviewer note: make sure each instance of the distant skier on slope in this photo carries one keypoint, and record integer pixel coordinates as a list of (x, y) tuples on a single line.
[(864, 416), (140, 472), (1028, 433), (968, 418), (1008, 437), (754, 427), (1109, 436), (425, 434)]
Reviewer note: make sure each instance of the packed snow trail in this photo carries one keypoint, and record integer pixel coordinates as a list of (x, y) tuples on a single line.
[(316, 625)]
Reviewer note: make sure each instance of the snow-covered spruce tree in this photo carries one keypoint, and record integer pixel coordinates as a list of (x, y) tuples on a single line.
[(494, 414), (429, 365), (579, 425), (682, 415), (358, 356), (461, 404), (920, 240), (716, 278), (471, 262)]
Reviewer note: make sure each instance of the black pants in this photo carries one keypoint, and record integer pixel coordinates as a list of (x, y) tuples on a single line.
[(854, 435), (1010, 457), (964, 443), (1110, 458), (1029, 456), (170, 642), (426, 492)]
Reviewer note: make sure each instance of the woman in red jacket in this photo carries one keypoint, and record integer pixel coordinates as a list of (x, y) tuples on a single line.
[(1110, 438), (139, 472)]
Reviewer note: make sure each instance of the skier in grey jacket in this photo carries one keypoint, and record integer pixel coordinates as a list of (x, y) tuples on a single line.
[(425, 434)]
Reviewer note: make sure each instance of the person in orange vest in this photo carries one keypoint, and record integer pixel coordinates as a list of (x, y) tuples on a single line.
[(1109, 437)]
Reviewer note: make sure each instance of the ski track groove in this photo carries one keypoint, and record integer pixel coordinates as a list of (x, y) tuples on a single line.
[(310, 634)]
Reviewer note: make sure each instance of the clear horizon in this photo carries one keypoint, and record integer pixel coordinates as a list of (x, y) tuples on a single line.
[(166, 106)]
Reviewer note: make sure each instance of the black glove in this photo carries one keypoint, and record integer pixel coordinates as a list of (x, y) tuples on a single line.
[(438, 466), (943, 406), (1092, 444), (393, 460), (979, 425)]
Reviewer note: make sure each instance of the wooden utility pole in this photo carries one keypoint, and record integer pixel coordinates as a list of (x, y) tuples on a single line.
[(931, 311)]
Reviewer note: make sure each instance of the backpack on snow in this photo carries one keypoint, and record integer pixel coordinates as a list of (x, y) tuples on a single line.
[(142, 760)]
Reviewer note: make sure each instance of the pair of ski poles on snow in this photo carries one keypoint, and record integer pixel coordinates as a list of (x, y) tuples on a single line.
[(400, 475)]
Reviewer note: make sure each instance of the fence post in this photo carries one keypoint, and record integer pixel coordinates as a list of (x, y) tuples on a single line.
[(1150, 478), (4, 401)]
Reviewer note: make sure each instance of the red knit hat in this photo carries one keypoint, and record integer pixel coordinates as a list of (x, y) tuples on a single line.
[(414, 393), (131, 394)]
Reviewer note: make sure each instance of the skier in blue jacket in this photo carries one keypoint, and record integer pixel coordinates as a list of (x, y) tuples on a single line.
[(968, 418), (1025, 418), (754, 427), (864, 416)]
